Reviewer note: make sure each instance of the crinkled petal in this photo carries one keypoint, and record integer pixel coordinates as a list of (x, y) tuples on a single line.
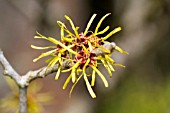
[(67, 39), (103, 49), (108, 58), (53, 62), (62, 32), (107, 67), (85, 49), (44, 55), (103, 31), (110, 65), (75, 84), (90, 46), (89, 24), (62, 25), (119, 65), (40, 36), (37, 47), (72, 25), (58, 73), (93, 78), (101, 76), (49, 60), (111, 33), (64, 49), (93, 95), (101, 20), (73, 74), (62, 45), (120, 50), (67, 70), (67, 81)]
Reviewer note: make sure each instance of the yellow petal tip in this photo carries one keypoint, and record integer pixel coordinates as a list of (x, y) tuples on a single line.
[(126, 53), (119, 28), (56, 78), (34, 60), (94, 97)]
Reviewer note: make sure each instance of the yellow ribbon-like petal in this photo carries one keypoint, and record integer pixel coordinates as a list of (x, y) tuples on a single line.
[(121, 50), (103, 49), (101, 76), (49, 60), (103, 31), (53, 62), (111, 33), (75, 85), (73, 74), (40, 36), (107, 67), (62, 45), (37, 47), (86, 79), (93, 78), (93, 95), (110, 66), (108, 58), (85, 49), (90, 46), (62, 32), (72, 25), (101, 20), (67, 70), (89, 24), (58, 73), (66, 82), (67, 39), (44, 55), (62, 25), (119, 65)]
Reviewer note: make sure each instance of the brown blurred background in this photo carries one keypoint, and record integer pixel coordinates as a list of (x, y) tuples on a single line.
[(142, 87)]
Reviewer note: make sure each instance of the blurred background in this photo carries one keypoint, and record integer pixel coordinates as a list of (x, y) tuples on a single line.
[(142, 87)]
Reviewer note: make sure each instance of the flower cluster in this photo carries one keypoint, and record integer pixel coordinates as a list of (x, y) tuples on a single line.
[(78, 49)]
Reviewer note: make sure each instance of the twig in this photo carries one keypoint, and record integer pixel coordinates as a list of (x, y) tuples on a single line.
[(8, 69)]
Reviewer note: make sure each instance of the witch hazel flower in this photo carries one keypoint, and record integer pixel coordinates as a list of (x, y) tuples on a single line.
[(84, 52)]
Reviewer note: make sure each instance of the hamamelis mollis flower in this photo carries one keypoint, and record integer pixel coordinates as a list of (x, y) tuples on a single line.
[(78, 49)]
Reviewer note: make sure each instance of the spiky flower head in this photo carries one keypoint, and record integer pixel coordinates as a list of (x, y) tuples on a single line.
[(85, 52)]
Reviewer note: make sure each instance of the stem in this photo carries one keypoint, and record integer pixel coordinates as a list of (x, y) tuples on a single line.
[(22, 100)]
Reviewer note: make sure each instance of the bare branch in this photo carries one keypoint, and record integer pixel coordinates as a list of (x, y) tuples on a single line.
[(8, 69), (40, 73)]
